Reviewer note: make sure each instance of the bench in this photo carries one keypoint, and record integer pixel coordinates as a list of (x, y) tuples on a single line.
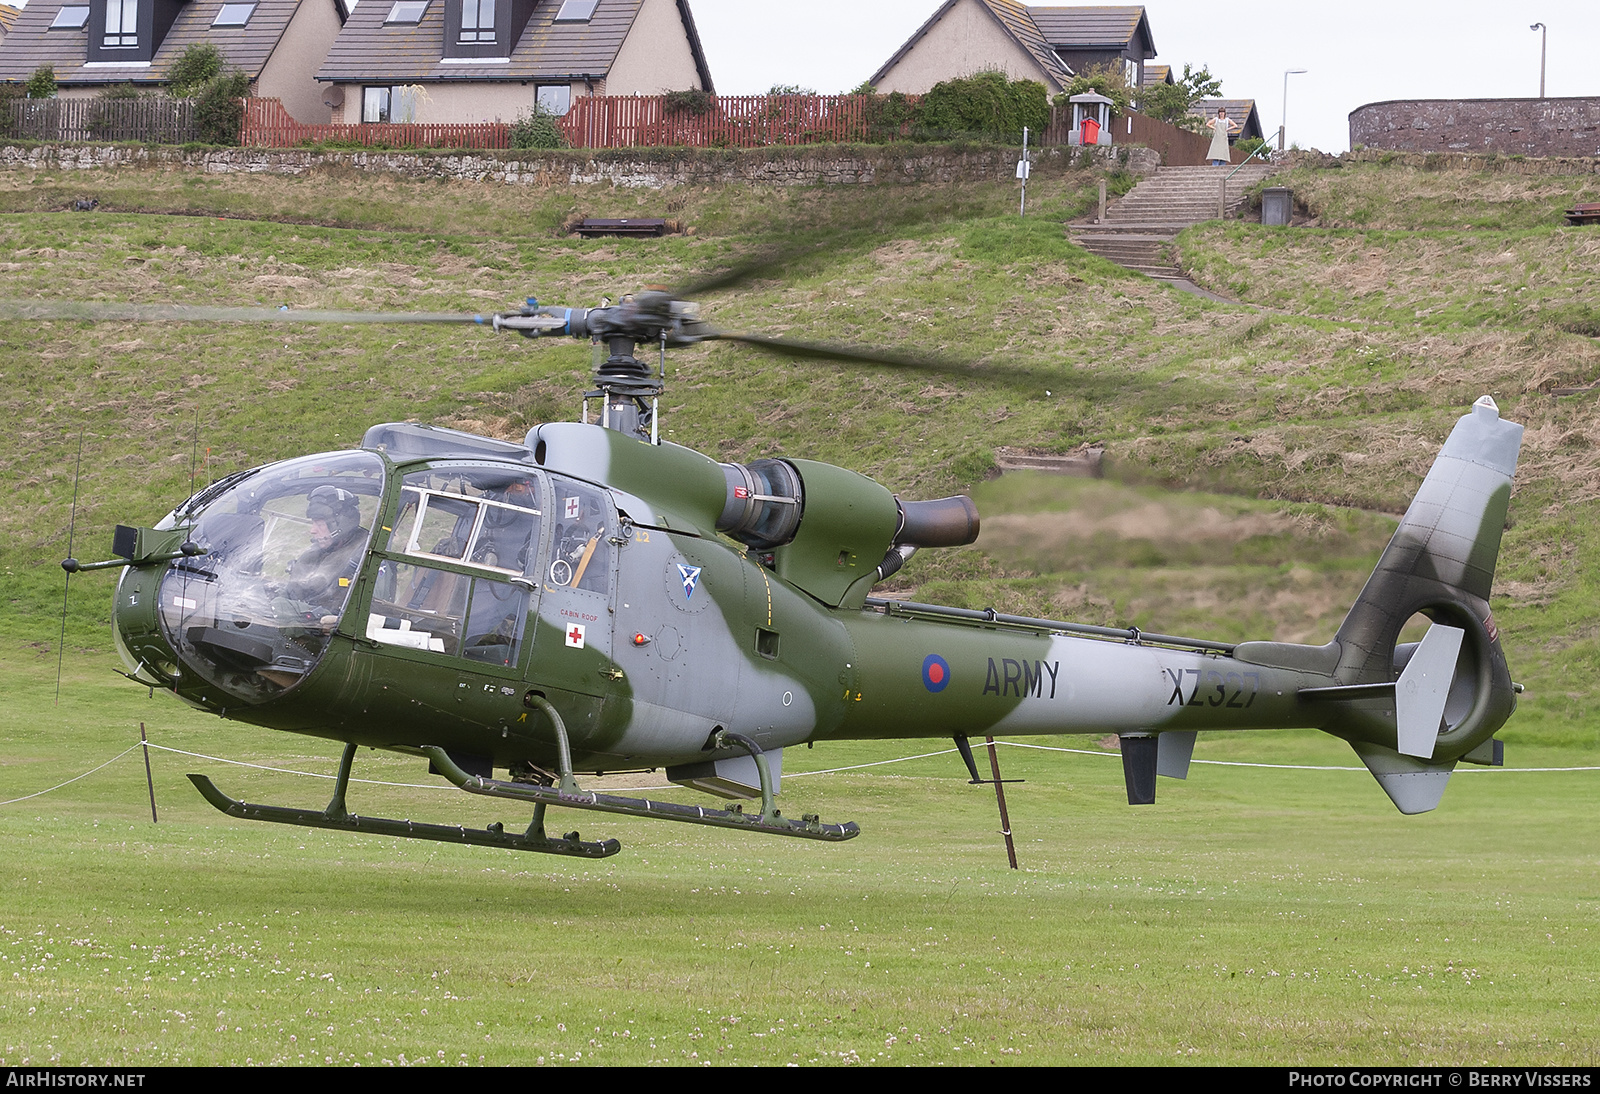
[(599, 226), (1584, 214)]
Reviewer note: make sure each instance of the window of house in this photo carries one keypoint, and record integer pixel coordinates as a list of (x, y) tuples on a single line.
[(407, 11), (576, 11), (122, 23), (554, 98), (70, 19), (477, 20), (234, 15), (388, 104)]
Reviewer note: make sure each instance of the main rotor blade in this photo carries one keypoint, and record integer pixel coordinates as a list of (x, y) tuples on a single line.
[(767, 260), (825, 351), (199, 313), (833, 352)]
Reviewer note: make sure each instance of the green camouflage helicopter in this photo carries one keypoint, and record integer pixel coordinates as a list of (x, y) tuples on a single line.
[(596, 599)]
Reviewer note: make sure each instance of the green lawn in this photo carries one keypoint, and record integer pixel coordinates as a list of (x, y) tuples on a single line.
[(1257, 459)]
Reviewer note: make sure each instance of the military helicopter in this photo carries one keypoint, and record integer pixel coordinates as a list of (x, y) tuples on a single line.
[(598, 599)]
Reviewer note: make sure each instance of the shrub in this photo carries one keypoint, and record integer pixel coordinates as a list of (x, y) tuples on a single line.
[(694, 101), (1173, 102), (195, 67), (219, 108), (1108, 80), (42, 84), (887, 115), (9, 93), (986, 105), (539, 129)]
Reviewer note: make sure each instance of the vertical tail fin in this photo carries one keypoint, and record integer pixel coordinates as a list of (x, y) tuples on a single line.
[(1441, 564)]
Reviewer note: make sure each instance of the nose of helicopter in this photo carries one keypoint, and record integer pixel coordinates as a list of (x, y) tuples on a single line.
[(253, 614)]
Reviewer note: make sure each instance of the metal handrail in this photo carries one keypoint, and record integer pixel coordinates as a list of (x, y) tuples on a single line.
[(1247, 159)]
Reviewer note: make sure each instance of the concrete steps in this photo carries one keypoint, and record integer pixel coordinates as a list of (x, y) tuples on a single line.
[(1138, 229)]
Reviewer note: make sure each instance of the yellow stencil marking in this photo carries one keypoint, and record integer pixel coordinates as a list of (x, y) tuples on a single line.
[(768, 584)]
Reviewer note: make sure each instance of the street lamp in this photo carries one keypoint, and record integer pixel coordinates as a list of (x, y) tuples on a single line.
[(1544, 32), (1282, 129)]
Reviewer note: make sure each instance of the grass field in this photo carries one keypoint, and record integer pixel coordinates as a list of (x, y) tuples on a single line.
[(1254, 915)]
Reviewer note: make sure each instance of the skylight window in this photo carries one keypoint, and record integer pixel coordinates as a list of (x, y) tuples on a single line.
[(407, 11), (234, 15), (576, 11), (70, 19)]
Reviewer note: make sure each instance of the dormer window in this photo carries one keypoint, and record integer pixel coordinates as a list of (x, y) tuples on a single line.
[(234, 15), (406, 12), (122, 24), (73, 18), (576, 11), (477, 21)]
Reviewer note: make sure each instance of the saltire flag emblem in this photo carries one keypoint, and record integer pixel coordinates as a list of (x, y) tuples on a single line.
[(935, 673), (691, 578)]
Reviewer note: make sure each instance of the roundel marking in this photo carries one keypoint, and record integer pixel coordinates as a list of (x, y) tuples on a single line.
[(935, 673)]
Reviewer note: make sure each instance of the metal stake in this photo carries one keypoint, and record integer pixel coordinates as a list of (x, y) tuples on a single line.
[(149, 780), (1022, 209), (1000, 796)]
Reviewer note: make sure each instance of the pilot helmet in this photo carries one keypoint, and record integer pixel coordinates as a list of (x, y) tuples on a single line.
[(335, 506)]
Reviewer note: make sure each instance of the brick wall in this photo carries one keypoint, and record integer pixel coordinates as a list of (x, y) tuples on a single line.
[(1518, 127)]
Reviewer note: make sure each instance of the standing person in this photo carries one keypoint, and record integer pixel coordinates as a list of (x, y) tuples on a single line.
[(1218, 152)]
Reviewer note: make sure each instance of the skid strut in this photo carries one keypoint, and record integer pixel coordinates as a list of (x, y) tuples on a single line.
[(336, 817)]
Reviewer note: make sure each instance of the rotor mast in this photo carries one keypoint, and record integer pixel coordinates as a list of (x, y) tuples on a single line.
[(629, 390)]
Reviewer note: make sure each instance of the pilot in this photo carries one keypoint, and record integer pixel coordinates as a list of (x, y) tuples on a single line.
[(320, 579), (509, 534)]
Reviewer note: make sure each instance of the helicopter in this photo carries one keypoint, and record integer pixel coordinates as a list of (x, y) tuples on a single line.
[(597, 599)]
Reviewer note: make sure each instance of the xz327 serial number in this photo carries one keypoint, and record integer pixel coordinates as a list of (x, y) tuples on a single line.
[(1212, 688)]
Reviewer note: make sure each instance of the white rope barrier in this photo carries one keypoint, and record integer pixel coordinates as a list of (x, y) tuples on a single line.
[(791, 775)]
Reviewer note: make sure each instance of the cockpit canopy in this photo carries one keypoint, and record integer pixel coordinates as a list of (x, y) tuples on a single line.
[(283, 547)]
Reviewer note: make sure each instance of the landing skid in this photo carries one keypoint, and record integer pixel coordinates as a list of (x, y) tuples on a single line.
[(336, 817), (567, 795)]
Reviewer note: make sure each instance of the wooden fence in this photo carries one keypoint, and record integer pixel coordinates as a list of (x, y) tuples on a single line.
[(733, 121), (268, 125), (158, 121), (1178, 147)]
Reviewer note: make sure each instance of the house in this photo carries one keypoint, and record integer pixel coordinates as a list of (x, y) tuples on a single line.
[(1246, 122), (1046, 44), (1157, 74), (95, 44), (1085, 37), (8, 19), (460, 61)]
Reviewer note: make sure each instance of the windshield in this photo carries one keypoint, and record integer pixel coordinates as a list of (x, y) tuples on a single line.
[(283, 547)]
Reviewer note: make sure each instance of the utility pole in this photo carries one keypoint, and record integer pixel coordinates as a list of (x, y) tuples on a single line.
[(1284, 128), (1544, 32)]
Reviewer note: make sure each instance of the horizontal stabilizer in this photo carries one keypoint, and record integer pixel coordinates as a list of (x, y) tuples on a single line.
[(1414, 786), (1173, 751), (1420, 693)]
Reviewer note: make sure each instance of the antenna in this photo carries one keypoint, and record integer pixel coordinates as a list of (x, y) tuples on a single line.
[(66, 588)]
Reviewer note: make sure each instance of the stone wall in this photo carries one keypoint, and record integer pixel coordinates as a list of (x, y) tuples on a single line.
[(628, 167), (1519, 127)]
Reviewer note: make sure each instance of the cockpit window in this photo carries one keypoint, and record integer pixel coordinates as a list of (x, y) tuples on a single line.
[(478, 516), (283, 547)]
